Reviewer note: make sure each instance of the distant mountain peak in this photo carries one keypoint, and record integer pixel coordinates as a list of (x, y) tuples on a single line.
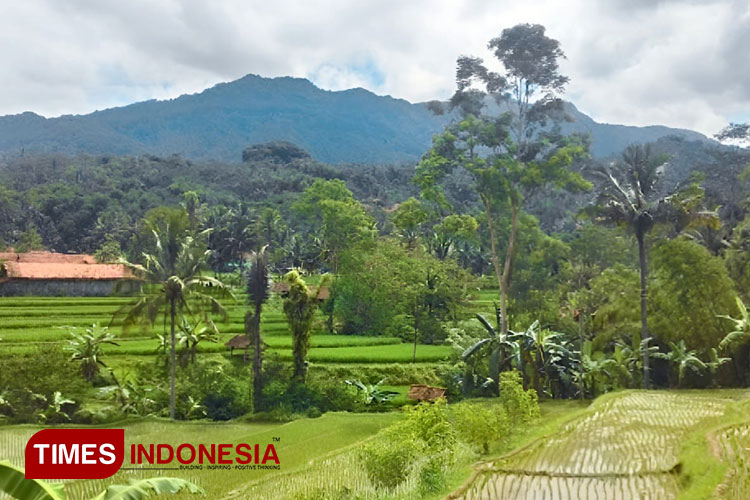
[(349, 126)]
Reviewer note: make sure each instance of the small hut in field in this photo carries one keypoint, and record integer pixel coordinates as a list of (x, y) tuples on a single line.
[(240, 341), (67, 275), (419, 392)]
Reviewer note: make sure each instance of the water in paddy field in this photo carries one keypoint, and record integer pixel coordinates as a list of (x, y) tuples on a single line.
[(626, 449)]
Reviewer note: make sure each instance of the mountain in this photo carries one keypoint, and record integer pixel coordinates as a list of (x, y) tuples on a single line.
[(350, 126)]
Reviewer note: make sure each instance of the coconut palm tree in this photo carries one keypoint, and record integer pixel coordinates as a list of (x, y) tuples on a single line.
[(174, 270), (632, 197), (257, 293), (14, 483)]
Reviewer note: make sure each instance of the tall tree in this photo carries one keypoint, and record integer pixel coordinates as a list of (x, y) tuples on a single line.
[(630, 196), (338, 220), (510, 156), (257, 292), (174, 272), (408, 219)]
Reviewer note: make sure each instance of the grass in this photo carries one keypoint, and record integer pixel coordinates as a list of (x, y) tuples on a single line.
[(554, 414), (625, 443), (299, 442), (701, 471)]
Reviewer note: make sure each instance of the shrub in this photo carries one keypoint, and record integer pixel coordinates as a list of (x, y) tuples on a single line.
[(520, 405), (388, 460), (423, 442), (480, 425), (29, 383)]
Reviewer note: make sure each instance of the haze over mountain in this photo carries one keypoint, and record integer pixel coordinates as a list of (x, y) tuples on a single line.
[(351, 126)]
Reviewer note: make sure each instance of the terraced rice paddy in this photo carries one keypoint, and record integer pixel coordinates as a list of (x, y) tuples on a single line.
[(29, 322), (625, 448), (734, 448)]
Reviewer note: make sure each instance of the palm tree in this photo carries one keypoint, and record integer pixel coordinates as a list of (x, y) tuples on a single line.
[(299, 307), (683, 359), (86, 347), (14, 483), (258, 293), (632, 198), (496, 345), (175, 271)]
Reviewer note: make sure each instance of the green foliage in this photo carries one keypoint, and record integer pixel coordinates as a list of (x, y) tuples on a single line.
[(300, 305), (29, 240), (372, 394), (690, 288), (408, 219), (86, 347), (480, 425), (32, 385), (520, 405), (388, 290), (738, 258), (109, 251), (14, 483), (424, 438)]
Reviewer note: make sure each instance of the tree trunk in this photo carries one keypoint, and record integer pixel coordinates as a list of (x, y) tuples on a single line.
[(257, 361), (505, 280), (173, 359), (644, 308), (416, 330), (581, 334)]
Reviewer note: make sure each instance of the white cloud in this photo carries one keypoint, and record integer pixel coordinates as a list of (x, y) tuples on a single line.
[(678, 63)]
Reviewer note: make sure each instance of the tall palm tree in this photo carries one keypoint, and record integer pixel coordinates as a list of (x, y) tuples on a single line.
[(630, 196), (174, 272), (258, 293)]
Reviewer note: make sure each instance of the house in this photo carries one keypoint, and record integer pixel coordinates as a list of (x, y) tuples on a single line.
[(55, 274)]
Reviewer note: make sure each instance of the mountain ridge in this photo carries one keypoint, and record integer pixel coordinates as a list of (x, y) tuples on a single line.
[(218, 123)]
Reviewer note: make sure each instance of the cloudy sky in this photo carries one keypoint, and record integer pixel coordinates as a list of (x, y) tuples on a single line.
[(678, 63)]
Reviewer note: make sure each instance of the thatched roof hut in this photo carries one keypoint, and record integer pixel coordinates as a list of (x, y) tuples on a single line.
[(419, 392), (240, 341)]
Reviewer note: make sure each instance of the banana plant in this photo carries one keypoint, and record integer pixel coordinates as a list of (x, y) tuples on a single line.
[(372, 393), (683, 359), (86, 347), (497, 345), (741, 325), (14, 484)]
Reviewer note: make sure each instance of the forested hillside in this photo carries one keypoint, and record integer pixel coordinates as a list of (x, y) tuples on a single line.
[(351, 126)]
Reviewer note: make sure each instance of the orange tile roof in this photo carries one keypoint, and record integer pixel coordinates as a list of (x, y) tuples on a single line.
[(47, 257), (64, 271)]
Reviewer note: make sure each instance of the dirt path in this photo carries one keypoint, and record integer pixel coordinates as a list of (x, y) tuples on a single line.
[(626, 448)]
